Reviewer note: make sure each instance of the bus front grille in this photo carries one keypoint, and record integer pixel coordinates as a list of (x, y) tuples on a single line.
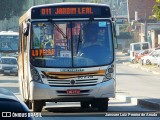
[(72, 82)]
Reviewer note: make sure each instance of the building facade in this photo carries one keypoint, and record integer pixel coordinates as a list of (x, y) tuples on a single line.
[(142, 7), (12, 24)]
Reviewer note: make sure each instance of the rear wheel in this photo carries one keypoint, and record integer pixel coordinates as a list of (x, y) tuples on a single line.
[(134, 61), (141, 62), (37, 105)]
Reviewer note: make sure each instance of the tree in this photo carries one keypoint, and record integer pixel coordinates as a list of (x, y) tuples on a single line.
[(156, 10), (96, 1), (10, 8)]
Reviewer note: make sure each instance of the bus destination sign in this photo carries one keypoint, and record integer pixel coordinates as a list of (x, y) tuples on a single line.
[(72, 11), (67, 11)]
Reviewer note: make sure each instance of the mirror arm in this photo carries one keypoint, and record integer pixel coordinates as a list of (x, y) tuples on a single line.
[(26, 30)]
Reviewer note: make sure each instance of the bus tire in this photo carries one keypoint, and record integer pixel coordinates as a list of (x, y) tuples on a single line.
[(85, 104), (28, 103), (102, 104), (94, 103), (37, 105)]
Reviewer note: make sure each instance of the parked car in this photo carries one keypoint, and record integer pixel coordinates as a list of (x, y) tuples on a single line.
[(151, 58), (10, 105), (141, 54), (158, 64), (136, 48), (0, 68), (125, 50), (9, 65)]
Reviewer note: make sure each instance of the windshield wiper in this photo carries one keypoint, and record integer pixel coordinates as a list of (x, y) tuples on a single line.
[(58, 29), (80, 38)]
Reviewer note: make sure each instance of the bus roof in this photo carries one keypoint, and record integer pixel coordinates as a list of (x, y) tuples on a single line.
[(9, 33), (28, 13), (70, 4)]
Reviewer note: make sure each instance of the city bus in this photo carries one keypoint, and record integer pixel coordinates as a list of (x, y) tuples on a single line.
[(55, 62), (8, 42)]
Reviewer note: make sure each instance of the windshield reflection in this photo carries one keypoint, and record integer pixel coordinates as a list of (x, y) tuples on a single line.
[(71, 44)]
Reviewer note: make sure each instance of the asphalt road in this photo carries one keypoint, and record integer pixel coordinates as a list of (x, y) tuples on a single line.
[(135, 82), (132, 82), (69, 111)]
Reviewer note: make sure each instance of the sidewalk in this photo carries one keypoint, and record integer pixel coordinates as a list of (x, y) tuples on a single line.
[(148, 68), (147, 102)]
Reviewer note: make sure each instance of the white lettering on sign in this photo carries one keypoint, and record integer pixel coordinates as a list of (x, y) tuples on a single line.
[(65, 53)]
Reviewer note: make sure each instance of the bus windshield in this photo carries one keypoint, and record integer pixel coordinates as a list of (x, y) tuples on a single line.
[(8, 61), (71, 43), (8, 43)]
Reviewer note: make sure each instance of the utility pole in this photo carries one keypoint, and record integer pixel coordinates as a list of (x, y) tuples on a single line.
[(34, 2), (145, 38)]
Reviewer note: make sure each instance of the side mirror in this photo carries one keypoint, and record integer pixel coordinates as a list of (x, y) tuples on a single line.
[(26, 30)]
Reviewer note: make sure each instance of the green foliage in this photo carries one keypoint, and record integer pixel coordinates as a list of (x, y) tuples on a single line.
[(10, 8), (96, 1), (156, 10), (123, 28)]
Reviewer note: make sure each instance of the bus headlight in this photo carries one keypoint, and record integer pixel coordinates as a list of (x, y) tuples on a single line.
[(107, 77), (35, 75), (110, 70)]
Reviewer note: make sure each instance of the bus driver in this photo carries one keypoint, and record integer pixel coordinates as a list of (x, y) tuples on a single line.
[(92, 41), (93, 48)]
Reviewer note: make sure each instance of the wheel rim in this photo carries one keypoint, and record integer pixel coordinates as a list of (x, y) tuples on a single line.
[(148, 62), (133, 61)]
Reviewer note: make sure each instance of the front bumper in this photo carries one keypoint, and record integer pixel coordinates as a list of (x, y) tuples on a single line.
[(46, 93), (10, 71)]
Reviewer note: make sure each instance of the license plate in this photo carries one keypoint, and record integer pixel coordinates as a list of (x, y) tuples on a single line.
[(7, 71), (73, 91)]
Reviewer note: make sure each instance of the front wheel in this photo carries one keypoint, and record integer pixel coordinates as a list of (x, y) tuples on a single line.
[(103, 104), (37, 105), (85, 104), (28, 103), (148, 62)]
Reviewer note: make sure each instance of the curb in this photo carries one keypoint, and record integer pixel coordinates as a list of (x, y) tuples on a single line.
[(142, 68), (149, 103)]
